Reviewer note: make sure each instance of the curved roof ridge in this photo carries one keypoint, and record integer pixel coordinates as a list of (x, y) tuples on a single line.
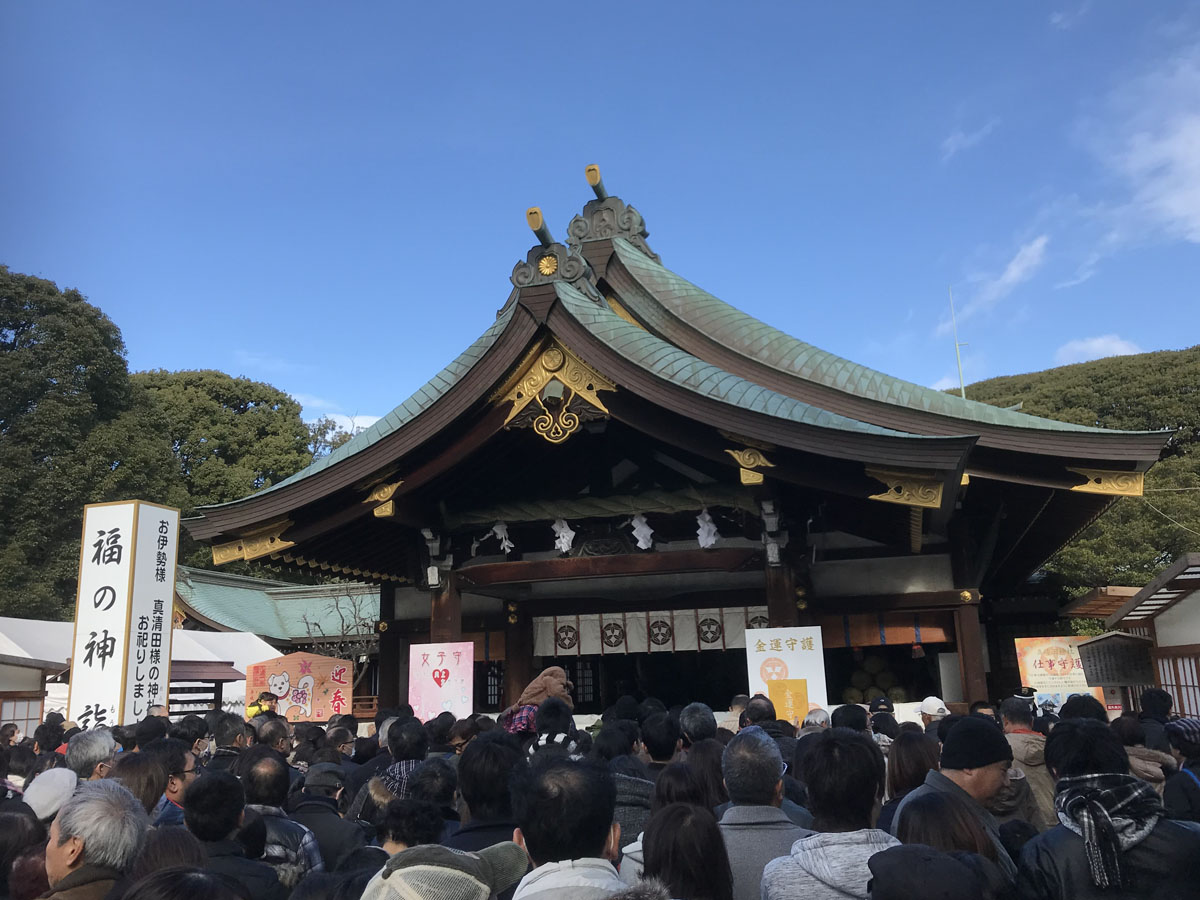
[(663, 359), (422, 398), (765, 344)]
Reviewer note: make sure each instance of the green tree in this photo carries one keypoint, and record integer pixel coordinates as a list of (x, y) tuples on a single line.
[(325, 436), (73, 430), (1138, 537)]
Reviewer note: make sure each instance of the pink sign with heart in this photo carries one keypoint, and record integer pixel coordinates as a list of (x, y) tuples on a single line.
[(441, 678)]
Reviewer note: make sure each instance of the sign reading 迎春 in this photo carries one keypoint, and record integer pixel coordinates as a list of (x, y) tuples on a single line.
[(310, 688), (121, 659)]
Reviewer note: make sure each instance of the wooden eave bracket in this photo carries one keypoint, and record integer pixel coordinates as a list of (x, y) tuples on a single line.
[(907, 488), (1109, 482), (750, 459), (263, 541)]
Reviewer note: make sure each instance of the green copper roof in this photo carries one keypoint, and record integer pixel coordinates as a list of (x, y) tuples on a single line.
[(276, 609), (758, 341), (423, 398), (679, 367)]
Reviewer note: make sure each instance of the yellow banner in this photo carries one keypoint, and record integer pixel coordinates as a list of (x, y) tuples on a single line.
[(790, 696)]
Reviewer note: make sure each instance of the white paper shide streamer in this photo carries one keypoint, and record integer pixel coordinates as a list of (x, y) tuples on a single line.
[(707, 533), (564, 537)]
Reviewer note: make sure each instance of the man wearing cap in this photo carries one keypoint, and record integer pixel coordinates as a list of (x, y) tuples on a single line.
[(975, 761), (431, 872), (932, 710), (317, 810), (881, 704)]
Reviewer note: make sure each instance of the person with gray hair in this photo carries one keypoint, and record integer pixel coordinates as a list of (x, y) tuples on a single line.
[(95, 839), (816, 721), (754, 827), (697, 723), (90, 754)]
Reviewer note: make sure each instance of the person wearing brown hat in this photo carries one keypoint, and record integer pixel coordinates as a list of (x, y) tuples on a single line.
[(975, 762), (317, 810)]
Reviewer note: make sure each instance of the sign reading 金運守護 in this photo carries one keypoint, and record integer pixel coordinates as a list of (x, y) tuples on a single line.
[(786, 654), (121, 658)]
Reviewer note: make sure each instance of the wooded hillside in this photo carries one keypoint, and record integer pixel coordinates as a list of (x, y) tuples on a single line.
[(1146, 392)]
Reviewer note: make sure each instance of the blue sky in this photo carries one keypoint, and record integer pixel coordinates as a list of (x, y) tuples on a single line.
[(330, 197)]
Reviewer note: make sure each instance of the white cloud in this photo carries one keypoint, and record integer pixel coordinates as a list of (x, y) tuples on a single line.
[(960, 140), (945, 383), (1022, 267), (1083, 349), (1065, 20)]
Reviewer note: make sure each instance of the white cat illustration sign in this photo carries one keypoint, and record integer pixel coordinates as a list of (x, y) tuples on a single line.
[(310, 688)]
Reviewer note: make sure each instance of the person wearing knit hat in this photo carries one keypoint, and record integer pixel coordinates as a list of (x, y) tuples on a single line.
[(433, 872), (975, 761), (1181, 793), (49, 791)]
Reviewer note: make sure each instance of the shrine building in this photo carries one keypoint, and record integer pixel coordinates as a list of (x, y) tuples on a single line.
[(624, 474)]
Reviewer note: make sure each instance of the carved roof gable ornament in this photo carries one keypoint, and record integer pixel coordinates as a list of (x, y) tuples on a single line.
[(550, 261), (608, 217), (554, 393)]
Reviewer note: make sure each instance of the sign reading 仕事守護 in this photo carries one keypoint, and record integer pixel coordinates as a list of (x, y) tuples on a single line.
[(786, 654), (121, 658), (1052, 667)]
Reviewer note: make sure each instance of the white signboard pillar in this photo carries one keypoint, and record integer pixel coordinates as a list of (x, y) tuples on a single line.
[(121, 660)]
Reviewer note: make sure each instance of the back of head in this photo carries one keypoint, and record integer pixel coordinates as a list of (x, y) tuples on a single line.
[(563, 808), (168, 848), (407, 740), (911, 757), (615, 739), (677, 783), (554, 717), (150, 729), (649, 707), (381, 736), (143, 775), (434, 781), (1084, 746), (438, 728), (109, 820), (212, 806), (383, 714), (945, 822), (228, 729), (947, 723), (267, 782), (19, 831), (272, 731), (48, 736), (684, 850), (1083, 706), (816, 718), (1184, 735), (905, 871), (752, 767), (850, 715), (738, 702), (704, 759), (660, 734), (1016, 711), (410, 822), (885, 723), (697, 723), (171, 754), (181, 883), (484, 770), (844, 774), (759, 710), (189, 729), (1129, 730), (1156, 703), (88, 749)]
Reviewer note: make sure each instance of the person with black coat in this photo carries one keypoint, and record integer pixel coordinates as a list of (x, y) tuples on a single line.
[(1115, 838), (1156, 708), (317, 810), (484, 769), (1181, 793), (213, 808)]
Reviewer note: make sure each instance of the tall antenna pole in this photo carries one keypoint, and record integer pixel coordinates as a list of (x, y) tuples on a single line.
[(962, 388)]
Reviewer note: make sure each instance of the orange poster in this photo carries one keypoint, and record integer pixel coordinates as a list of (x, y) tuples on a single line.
[(1052, 667), (790, 697), (310, 688)]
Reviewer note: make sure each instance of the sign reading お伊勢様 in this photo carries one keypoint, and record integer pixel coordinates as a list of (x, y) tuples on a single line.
[(121, 658)]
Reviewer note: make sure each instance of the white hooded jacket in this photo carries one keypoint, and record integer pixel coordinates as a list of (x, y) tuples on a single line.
[(825, 866)]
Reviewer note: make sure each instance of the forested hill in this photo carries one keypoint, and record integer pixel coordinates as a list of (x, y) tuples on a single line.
[(1134, 540)]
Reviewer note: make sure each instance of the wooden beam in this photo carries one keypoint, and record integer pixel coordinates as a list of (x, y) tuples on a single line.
[(445, 614), (781, 597), (969, 638), (518, 653), (520, 571), (392, 646), (914, 602)]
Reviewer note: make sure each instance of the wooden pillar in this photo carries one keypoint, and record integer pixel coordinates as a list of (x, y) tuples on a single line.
[(781, 597), (390, 650), (969, 637), (445, 614), (518, 654)]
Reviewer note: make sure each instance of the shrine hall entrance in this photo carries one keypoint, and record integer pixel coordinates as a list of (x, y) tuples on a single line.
[(712, 677)]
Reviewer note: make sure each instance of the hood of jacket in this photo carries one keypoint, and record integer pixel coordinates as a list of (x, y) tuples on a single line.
[(1028, 749), (839, 859), (1150, 765)]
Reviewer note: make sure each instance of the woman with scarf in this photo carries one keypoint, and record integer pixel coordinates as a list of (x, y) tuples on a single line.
[(1113, 838)]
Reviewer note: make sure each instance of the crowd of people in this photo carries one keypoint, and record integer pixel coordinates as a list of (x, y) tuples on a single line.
[(652, 803)]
